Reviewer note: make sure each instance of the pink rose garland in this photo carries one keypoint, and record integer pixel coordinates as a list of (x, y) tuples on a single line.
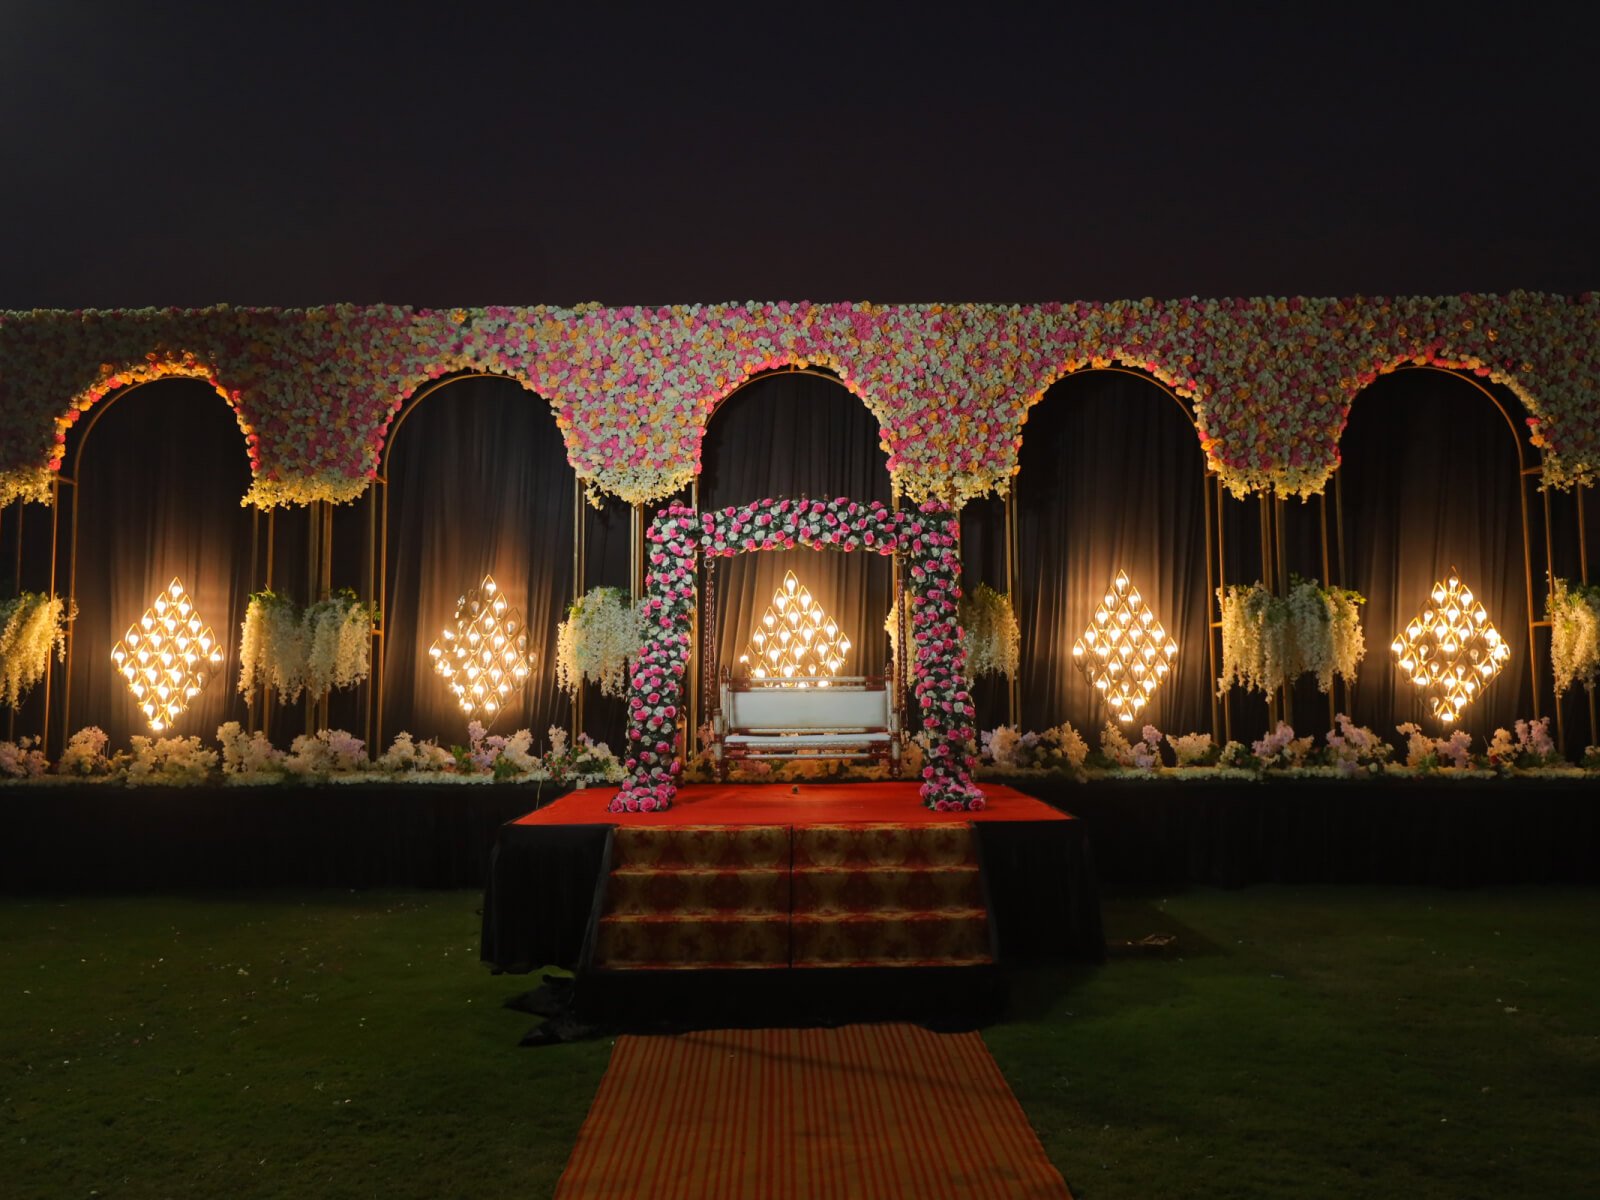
[(679, 535)]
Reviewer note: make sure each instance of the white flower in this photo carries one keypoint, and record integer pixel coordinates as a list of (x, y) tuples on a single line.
[(990, 633), (599, 639), (31, 626), (1574, 613)]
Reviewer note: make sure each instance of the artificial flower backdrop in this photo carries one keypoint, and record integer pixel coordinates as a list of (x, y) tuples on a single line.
[(1271, 379)]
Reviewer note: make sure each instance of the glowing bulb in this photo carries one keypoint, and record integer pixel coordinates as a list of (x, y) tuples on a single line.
[(485, 648), (1452, 651), (1124, 653)]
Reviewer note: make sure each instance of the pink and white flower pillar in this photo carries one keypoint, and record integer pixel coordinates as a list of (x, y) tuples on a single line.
[(679, 535)]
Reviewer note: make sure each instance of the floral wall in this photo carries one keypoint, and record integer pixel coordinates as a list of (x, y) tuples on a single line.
[(1271, 379)]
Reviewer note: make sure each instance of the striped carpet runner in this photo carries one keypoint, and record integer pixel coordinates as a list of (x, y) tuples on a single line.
[(875, 1112)]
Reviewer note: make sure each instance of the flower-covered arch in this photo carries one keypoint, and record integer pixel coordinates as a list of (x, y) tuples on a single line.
[(680, 535), (1270, 378)]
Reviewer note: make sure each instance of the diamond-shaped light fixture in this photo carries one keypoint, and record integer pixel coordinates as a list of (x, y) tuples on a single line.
[(164, 656), (1125, 653), (795, 640), (1452, 651), (483, 655)]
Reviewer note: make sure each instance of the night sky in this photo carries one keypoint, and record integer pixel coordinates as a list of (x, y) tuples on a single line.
[(432, 155)]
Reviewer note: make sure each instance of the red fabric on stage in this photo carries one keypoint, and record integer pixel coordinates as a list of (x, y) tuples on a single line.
[(791, 804)]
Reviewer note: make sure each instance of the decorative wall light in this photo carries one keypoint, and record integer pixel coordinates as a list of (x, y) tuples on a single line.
[(795, 639), (164, 656), (483, 655), (1452, 651), (1125, 653)]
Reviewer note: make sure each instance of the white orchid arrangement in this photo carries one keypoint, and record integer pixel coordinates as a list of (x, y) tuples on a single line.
[(598, 641), (326, 646), (1269, 641), (85, 753), (990, 633), (22, 759), (1574, 613), (31, 626), (169, 762)]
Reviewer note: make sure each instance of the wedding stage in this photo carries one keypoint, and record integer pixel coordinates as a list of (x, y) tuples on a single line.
[(810, 882)]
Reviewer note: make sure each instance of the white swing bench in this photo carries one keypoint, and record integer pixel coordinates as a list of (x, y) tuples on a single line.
[(843, 716)]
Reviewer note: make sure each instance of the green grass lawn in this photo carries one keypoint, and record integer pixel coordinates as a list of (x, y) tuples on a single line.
[(296, 1045), (1300, 1042), (1323, 1042)]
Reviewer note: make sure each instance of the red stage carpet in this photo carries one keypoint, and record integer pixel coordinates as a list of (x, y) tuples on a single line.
[(878, 1112), (791, 804), (769, 875)]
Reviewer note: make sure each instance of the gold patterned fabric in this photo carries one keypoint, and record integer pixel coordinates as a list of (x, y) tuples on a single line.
[(841, 895)]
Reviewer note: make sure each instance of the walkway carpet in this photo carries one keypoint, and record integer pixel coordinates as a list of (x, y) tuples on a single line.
[(876, 1112)]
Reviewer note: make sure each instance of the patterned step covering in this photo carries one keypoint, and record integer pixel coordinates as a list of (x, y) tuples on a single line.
[(696, 897), (768, 896), (888, 895)]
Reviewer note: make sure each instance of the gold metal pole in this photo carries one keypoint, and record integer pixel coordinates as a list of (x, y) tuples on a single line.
[(1583, 573), (577, 590), (266, 688), (1222, 586), (384, 602), (369, 573), (1527, 574), (1327, 581), (1212, 627), (1009, 516), (636, 551)]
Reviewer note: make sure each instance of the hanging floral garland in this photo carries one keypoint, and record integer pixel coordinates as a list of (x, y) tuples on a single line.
[(327, 646), (992, 637), (1269, 641), (1574, 613), (680, 534), (597, 641), (31, 626), (1270, 379)]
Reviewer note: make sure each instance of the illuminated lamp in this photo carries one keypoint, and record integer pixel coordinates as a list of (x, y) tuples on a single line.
[(482, 655), (1451, 651), (164, 656), (795, 640), (1125, 654)]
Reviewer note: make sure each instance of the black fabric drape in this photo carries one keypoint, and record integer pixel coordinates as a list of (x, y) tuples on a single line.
[(106, 838), (1430, 481), (607, 545), (478, 484), (1111, 477), (792, 435), (983, 560), (158, 493)]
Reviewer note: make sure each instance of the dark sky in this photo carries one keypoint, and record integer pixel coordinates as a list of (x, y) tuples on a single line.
[(435, 155)]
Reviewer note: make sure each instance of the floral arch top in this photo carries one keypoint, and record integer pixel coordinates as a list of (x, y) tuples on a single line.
[(1271, 379), (680, 535)]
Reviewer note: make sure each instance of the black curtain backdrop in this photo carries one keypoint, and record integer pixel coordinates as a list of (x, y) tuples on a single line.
[(1429, 482), (478, 484), (983, 560), (1111, 476), (162, 474), (792, 435)]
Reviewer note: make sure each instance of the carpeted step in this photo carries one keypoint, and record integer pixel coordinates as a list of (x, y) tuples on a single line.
[(908, 939), (704, 846), (857, 889), (663, 942), (885, 845), (687, 891)]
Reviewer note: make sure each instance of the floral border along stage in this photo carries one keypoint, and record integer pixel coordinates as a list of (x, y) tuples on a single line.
[(1271, 380), (680, 535)]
